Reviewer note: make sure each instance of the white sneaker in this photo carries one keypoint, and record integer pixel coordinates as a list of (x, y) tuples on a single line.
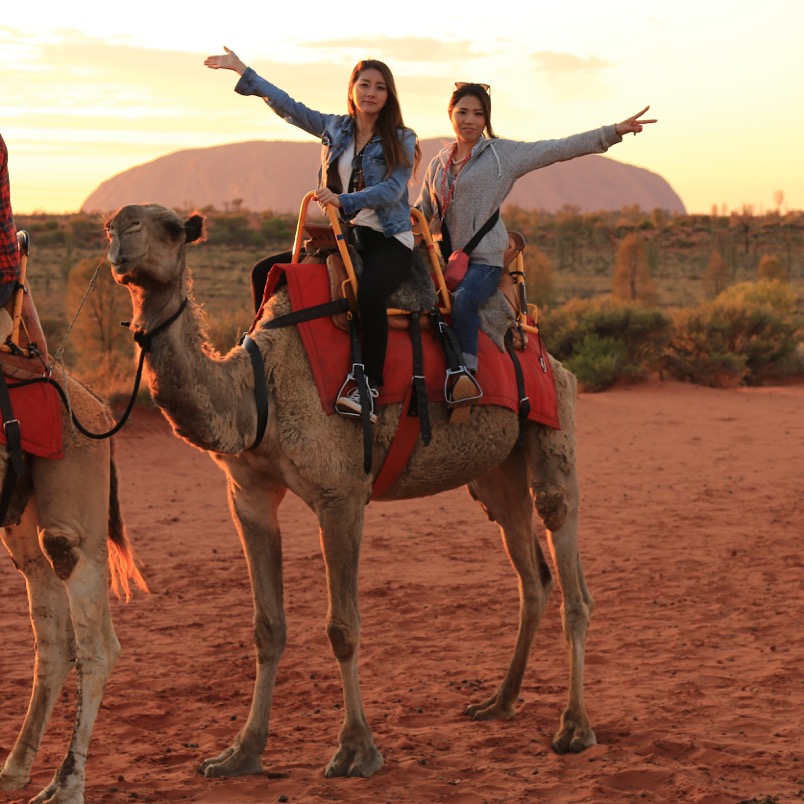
[(350, 403)]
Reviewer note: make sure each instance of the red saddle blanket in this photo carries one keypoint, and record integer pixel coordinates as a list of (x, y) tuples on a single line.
[(36, 407), (328, 350)]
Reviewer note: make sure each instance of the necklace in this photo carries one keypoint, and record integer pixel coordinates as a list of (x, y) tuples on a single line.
[(461, 161), (360, 144)]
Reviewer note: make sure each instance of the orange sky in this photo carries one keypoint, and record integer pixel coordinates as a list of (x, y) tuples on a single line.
[(92, 90)]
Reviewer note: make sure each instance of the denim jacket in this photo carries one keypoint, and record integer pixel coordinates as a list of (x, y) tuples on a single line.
[(386, 195)]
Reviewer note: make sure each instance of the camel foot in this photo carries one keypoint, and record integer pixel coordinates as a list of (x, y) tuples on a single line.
[(9, 781), (574, 735), (234, 761), (57, 794), (362, 761), (492, 709)]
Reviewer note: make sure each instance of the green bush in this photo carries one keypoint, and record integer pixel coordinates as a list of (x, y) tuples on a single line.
[(597, 362), (748, 334), (586, 329)]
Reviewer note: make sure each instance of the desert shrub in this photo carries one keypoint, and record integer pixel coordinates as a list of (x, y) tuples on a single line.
[(225, 326), (597, 362), (641, 334), (748, 334)]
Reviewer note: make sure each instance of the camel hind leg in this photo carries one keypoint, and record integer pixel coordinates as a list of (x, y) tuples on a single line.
[(73, 525), (505, 496), (551, 457), (53, 640)]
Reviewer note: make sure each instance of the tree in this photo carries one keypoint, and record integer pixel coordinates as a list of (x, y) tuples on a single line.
[(632, 280), (102, 348), (717, 276), (539, 277), (770, 267), (745, 223)]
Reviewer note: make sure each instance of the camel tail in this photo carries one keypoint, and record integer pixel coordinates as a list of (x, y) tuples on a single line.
[(122, 560)]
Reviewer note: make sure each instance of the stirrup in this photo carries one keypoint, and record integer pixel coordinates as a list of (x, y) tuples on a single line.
[(454, 376), (351, 379)]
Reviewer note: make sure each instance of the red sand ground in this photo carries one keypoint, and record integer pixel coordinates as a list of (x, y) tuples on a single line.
[(691, 529)]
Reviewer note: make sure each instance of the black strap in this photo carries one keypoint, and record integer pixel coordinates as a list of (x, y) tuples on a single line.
[(260, 388), (11, 428), (449, 341), (359, 374), (308, 314), (418, 397), (524, 399), (446, 239)]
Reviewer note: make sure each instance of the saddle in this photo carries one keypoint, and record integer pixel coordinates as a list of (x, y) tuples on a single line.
[(420, 292)]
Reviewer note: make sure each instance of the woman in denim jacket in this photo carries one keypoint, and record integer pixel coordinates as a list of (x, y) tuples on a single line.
[(367, 159), (471, 178)]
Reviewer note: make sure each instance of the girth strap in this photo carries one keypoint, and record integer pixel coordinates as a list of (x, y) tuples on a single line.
[(418, 397), (524, 399), (260, 389), (308, 314), (16, 466), (452, 349), (359, 374), (413, 420)]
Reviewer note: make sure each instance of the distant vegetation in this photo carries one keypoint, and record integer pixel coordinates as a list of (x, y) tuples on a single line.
[(711, 299)]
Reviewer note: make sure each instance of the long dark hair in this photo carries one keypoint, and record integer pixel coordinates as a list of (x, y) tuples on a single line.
[(390, 120), (480, 92)]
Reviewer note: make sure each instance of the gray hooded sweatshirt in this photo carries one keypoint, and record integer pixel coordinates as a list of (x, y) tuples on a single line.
[(486, 179)]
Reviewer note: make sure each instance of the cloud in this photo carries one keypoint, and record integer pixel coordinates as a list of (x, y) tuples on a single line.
[(399, 49), (563, 63)]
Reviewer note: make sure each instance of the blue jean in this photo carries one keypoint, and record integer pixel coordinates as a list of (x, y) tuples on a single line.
[(475, 288)]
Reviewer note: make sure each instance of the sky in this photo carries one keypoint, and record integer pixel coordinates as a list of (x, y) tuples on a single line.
[(92, 89)]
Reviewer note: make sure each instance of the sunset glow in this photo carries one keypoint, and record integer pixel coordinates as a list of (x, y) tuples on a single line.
[(90, 92)]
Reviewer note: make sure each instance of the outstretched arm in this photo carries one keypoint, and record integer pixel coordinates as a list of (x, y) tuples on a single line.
[(229, 61), (633, 125)]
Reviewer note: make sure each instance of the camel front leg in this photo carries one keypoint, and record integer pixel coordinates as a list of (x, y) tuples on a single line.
[(53, 633), (505, 496), (255, 514), (341, 535)]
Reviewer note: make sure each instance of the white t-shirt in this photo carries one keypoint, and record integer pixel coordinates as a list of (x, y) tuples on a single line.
[(366, 216)]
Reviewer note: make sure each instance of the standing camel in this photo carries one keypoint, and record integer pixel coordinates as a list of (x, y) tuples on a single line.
[(65, 535), (209, 400)]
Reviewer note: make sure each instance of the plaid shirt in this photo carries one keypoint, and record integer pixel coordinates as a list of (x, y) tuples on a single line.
[(9, 253)]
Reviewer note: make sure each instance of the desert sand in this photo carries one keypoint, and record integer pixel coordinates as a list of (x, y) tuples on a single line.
[(691, 532)]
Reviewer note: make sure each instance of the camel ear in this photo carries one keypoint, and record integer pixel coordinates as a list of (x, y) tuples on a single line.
[(193, 228)]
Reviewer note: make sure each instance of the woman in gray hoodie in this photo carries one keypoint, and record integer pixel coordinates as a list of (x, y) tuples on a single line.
[(468, 181)]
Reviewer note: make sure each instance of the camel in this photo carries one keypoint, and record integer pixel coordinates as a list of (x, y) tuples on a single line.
[(209, 400), (65, 535)]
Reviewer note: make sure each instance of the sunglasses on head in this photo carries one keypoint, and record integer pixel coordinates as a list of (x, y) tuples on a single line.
[(485, 87)]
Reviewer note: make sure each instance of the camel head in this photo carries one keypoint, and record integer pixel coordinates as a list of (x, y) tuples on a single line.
[(147, 242)]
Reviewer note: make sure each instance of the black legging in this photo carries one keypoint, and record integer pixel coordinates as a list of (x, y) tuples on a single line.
[(386, 263)]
